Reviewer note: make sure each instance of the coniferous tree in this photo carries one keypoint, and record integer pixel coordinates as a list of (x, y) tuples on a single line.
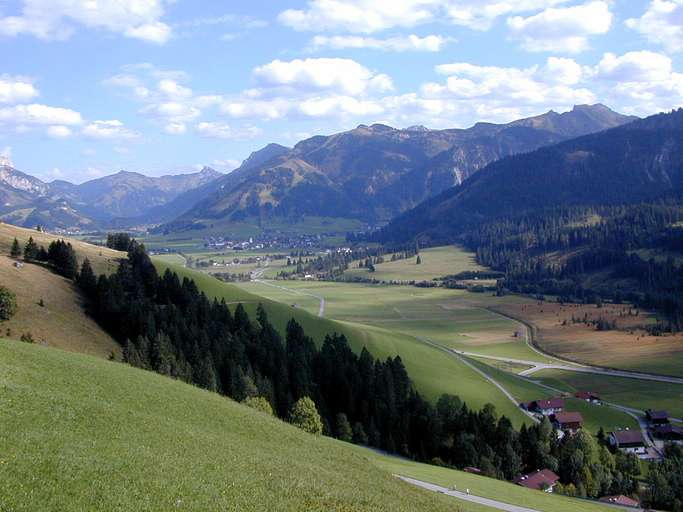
[(30, 250), (15, 252)]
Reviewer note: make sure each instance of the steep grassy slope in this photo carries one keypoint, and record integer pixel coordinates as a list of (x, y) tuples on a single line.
[(60, 321), (79, 433)]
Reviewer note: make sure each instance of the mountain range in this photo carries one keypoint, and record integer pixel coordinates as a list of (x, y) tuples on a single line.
[(28, 201), (639, 162), (371, 173)]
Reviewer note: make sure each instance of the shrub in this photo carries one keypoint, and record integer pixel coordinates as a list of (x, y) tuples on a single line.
[(259, 403), (305, 416), (8, 303)]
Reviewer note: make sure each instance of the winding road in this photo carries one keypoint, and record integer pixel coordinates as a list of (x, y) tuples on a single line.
[(499, 505), (581, 368), (321, 309)]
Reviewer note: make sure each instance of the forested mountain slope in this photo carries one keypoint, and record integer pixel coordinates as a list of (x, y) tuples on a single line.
[(375, 172)]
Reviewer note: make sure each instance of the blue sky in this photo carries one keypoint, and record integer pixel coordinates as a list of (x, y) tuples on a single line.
[(89, 87)]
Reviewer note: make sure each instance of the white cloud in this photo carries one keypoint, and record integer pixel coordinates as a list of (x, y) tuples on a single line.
[(364, 16), (345, 76), (229, 164), (430, 43), (369, 16), (35, 115), (175, 128), (112, 129), (58, 132), (662, 23), (642, 66), (215, 130), (6, 156), (173, 89), (562, 29), (156, 32), (643, 81), (563, 70), (15, 90), (54, 19), (172, 111)]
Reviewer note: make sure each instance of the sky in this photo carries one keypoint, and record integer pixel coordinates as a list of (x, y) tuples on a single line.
[(91, 87)]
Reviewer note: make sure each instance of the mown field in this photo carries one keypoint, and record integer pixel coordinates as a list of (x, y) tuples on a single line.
[(80, 433), (433, 371), (453, 318), (629, 392), (526, 390), (435, 262)]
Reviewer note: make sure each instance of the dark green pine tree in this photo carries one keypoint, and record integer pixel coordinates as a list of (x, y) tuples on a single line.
[(30, 250), (86, 279), (343, 428), (15, 252)]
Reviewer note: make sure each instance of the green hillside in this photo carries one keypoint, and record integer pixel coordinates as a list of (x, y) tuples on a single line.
[(80, 433), (432, 371)]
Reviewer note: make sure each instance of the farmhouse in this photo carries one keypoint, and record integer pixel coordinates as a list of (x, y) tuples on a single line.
[(669, 433), (657, 417), (546, 407), (541, 480), (567, 421), (588, 396), (630, 441), (621, 500)]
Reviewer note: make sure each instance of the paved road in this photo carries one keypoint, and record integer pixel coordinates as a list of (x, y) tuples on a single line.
[(321, 309), (466, 497), (480, 372), (536, 366)]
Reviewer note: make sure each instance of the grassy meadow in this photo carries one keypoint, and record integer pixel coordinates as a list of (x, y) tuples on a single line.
[(629, 392), (481, 486), (433, 371), (80, 433), (435, 262), (60, 321)]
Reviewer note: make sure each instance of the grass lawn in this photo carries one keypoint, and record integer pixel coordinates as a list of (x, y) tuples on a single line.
[(453, 318), (433, 371), (629, 392), (482, 486), (80, 433), (524, 390), (435, 262)]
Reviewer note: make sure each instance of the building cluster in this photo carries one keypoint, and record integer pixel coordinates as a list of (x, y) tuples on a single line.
[(264, 241)]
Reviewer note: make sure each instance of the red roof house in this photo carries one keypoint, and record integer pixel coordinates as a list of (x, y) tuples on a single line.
[(567, 421), (547, 406), (657, 417), (628, 441), (541, 480)]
